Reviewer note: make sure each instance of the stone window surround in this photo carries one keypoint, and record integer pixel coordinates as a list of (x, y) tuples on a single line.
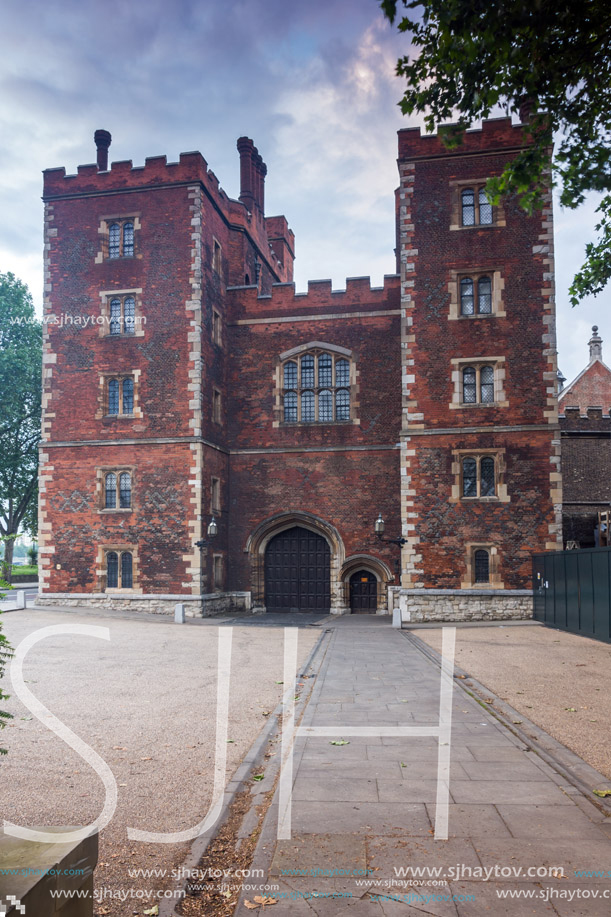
[(103, 232), (218, 572), (105, 299), (102, 411), (500, 397), (215, 495), (315, 348), (456, 188), (217, 406), (498, 290), (217, 334), (119, 548), (101, 472), (500, 468), (217, 256), (495, 581)]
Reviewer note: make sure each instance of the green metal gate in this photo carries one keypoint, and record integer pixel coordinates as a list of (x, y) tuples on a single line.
[(572, 591)]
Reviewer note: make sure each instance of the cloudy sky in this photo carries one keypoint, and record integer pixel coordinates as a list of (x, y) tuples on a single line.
[(311, 82)]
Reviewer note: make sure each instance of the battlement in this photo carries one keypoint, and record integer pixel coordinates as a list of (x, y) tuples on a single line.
[(122, 175), (495, 134), (320, 298), (594, 419)]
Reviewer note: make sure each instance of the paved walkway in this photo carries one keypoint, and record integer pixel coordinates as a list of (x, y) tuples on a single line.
[(365, 810)]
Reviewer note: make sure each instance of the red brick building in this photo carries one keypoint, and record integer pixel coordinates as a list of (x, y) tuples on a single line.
[(585, 424), (185, 380)]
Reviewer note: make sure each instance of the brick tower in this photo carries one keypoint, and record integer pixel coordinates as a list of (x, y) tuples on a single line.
[(188, 387)]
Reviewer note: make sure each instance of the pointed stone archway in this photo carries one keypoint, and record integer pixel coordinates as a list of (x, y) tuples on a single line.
[(269, 529), (366, 564)]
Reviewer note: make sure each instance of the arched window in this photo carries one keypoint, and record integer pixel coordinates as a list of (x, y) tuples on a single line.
[(115, 316), (126, 570), (315, 387), (487, 384), (468, 207), (325, 406), (128, 239), (128, 396), (112, 570), (110, 501), (481, 563), (125, 490), (467, 305), (469, 386), (485, 208), (484, 296), (114, 240), (113, 396)]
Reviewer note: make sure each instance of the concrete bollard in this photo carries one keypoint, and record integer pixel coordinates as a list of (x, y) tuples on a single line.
[(179, 613), (21, 598), (396, 617)]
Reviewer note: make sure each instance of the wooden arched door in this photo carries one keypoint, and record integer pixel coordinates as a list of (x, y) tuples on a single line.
[(363, 593), (297, 572)]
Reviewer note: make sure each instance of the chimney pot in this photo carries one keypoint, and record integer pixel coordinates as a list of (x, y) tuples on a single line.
[(102, 140)]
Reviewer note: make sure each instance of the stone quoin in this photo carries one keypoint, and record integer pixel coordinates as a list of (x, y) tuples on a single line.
[(186, 380)]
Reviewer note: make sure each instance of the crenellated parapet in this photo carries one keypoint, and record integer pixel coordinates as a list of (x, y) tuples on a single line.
[(246, 301), (497, 133)]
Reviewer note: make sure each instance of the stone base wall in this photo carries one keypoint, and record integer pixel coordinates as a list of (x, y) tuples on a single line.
[(196, 606), (421, 605)]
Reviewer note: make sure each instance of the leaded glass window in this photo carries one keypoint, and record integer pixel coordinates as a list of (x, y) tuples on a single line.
[(307, 407), (484, 296), (115, 316), (129, 310), (325, 406), (469, 478), (316, 388), (485, 208), (342, 373), (112, 570), (469, 387), (325, 370), (125, 490), (290, 407), (487, 384), (128, 239), (467, 305), (487, 482), (114, 240), (342, 404), (126, 570), (482, 566), (111, 491), (468, 207), (307, 372), (128, 396), (113, 396)]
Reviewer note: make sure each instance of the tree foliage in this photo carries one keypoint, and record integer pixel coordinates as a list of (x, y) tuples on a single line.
[(5, 655), (20, 399), (471, 56)]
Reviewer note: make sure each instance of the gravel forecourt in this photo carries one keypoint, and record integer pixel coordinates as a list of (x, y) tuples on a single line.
[(146, 702), (558, 680)]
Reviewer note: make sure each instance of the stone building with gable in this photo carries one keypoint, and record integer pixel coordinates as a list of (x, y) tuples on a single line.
[(213, 437)]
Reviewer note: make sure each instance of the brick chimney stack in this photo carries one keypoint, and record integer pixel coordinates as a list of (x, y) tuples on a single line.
[(596, 345), (527, 108), (102, 141), (252, 175)]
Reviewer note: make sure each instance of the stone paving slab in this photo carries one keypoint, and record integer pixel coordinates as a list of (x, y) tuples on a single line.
[(356, 803)]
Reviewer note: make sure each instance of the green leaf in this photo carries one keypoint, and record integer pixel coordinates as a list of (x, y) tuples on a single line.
[(258, 777), (602, 793), (339, 742)]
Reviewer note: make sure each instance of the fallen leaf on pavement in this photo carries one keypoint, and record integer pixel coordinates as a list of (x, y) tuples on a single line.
[(339, 742), (265, 900), (602, 793)]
